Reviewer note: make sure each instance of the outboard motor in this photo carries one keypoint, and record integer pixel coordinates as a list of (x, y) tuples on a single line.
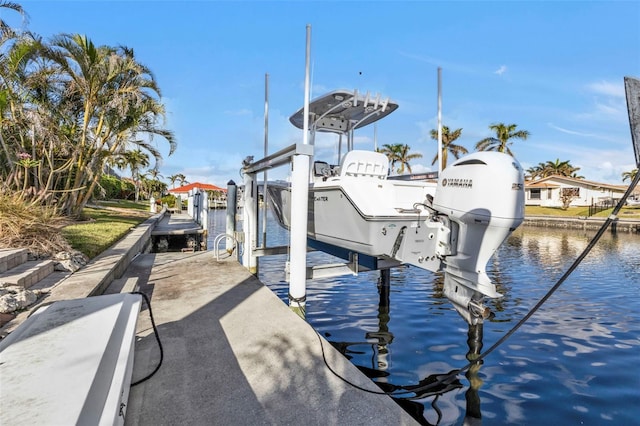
[(482, 196)]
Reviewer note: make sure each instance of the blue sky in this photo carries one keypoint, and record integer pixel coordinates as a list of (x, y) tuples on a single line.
[(553, 68)]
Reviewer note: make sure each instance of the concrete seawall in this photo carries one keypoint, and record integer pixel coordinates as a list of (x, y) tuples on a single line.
[(619, 225)]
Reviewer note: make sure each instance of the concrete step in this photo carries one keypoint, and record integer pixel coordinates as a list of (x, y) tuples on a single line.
[(27, 273), (10, 258), (47, 283)]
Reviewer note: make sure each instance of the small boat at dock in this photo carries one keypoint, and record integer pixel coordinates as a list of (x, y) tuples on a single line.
[(452, 224)]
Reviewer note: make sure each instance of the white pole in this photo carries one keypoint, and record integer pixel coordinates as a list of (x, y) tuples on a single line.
[(265, 198), (439, 122), (375, 136), (299, 200), (232, 207), (249, 224)]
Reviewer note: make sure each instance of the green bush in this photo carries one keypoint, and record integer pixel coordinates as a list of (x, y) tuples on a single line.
[(169, 200), (113, 188)]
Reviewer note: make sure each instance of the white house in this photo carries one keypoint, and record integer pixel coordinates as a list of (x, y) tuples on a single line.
[(549, 191)]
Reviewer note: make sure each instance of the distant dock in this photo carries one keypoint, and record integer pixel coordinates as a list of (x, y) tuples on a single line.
[(178, 232)]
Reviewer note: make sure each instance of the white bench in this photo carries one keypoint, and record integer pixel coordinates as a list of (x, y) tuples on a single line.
[(70, 363)]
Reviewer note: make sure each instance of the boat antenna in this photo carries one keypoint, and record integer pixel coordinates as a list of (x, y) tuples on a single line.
[(439, 121)]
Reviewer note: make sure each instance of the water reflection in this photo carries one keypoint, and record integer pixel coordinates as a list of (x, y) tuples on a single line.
[(432, 386), (572, 362)]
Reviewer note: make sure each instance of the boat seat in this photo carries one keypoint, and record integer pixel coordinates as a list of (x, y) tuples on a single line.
[(364, 163)]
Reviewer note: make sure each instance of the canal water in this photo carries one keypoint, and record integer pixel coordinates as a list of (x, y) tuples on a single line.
[(575, 362)]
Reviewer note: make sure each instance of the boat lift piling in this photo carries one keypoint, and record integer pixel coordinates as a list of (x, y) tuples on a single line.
[(299, 155), (250, 222), (232, 206)]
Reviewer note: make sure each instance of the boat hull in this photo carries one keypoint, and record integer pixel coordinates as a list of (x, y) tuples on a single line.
[(365, 221)]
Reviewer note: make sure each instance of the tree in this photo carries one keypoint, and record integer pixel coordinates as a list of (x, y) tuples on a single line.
[(393, 154), (404, 157), (447, 145), (631, 175), (177, 177), (504, 138), (398, 153), (557, 167), (115, 101), (136, 160), (6, 30)]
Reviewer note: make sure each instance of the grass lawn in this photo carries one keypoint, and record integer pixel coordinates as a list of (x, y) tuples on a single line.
[(105, 225)]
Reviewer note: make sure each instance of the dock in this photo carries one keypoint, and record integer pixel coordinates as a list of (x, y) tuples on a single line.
[(234, 353), (178, 232)]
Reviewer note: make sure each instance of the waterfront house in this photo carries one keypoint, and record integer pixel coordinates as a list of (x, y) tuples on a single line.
[(550, 191), (217, 195)]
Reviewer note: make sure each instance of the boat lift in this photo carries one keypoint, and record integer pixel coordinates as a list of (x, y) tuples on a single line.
[(299, 156)]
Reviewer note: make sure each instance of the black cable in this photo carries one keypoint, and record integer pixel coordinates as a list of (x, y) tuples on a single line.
[(155, 331), (519, 324)]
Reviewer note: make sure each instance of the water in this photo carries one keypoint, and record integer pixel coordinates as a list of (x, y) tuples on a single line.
[(574, 362)]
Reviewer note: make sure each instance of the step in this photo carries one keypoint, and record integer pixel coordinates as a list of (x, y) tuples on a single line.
[(28, 273), (10, 258), (47, 283)]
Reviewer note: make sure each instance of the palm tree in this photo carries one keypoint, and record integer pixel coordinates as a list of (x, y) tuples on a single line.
[(136, 160), (557, 167), (562, 168), (115, 100), (404, 157), (177, 177), (631, 175), (535, 172), (447, 145), (6, 30), (393, 154), (503, 139)]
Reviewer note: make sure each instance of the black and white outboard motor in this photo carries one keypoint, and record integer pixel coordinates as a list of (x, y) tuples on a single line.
[(482, 195)]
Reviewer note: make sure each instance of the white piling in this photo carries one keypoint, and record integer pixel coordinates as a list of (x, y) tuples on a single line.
[(299, 206), (232, 205), (250, 222)]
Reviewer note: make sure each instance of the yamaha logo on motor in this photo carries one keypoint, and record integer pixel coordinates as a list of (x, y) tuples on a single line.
[(458, 183)]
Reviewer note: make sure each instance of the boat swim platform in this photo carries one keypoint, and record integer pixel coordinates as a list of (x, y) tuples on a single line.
[(235, 354)]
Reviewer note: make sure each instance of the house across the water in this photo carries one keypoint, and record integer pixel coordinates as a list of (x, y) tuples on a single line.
[(551, 191), (217, 195)]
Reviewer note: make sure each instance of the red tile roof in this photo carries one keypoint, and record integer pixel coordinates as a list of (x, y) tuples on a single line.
[(204, 186)]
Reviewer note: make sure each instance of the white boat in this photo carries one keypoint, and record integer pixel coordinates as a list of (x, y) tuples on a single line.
[(453, 224)]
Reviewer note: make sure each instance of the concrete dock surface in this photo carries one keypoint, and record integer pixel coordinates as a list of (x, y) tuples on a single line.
[(235, 354)]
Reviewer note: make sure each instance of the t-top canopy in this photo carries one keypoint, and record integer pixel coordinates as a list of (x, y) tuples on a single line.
[(342, 110)]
